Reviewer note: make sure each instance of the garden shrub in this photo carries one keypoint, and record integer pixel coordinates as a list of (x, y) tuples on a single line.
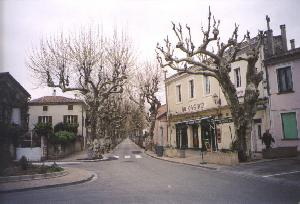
[(43, 129), (62, 137), (66, 127)]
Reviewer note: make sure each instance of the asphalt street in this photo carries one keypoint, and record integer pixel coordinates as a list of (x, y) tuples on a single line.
[(130, 176)]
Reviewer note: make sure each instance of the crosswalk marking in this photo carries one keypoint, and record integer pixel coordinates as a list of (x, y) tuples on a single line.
[(127, 156), (138, 156)]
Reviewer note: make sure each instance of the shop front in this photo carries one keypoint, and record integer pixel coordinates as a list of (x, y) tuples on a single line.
[(200, 130)]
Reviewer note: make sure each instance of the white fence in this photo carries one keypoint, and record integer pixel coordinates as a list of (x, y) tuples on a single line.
[(32, 154)]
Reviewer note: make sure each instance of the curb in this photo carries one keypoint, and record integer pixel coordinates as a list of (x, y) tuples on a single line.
[(93, 160), (199, 166), (33, 176), (51, 186)]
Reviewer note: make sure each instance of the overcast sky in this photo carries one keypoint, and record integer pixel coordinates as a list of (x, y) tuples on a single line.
[(25, 22)]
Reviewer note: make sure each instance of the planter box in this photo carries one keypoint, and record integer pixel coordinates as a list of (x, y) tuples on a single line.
[(279, 152), (229, 158)]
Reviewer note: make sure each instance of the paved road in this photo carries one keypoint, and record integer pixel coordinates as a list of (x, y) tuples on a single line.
[(133, 177)]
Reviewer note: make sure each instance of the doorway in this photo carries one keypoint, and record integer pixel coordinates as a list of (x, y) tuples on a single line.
[(257, 132), (181, 136), (208, 137), (195, 136)]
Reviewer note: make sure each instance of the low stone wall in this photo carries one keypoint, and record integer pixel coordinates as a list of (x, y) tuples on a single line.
[(279, 152), (171, 152), (32, 154), (60, 151), (222, 158)]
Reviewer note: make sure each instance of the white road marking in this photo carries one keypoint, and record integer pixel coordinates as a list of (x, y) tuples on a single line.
[(279, 174), (127, 156), (138, 156)]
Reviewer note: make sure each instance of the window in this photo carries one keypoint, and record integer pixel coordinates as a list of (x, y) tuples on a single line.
[(178, 92), (70, 107), (191, 85), (45, 108), (16, 116), (206, 85), (284, 77), (45, 119), (237, 77), (71, 119), (289, 125)]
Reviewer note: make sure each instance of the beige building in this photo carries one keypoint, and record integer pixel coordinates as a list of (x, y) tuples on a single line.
[(56, 109), (197, 112), (161, 129)]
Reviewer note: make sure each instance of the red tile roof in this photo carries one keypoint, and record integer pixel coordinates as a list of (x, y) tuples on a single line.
[(48, 100)]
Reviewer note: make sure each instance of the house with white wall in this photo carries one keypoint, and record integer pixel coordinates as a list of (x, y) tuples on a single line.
[(56, 109), (284, 100)]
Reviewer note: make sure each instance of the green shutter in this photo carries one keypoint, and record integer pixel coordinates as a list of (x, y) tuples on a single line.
[(289, 125)]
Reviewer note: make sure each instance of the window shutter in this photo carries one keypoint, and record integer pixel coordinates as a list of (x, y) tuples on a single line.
[(40, 119), (289, 125)]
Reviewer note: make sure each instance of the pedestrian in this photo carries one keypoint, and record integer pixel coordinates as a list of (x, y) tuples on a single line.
[(267, 139)]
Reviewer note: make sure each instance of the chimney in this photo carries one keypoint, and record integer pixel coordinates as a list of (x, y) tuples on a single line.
[(283, 38), (292, 44), (54, 92), (270, 40)]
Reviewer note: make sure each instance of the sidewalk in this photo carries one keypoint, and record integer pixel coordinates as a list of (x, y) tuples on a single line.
[(191, 158), (74, 176)]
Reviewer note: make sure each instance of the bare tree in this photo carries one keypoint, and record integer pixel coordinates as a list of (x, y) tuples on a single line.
[(200, 60), (85, 62), (149, 80)]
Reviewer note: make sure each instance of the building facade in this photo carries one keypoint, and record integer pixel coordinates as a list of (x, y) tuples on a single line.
[(198, 114), (284, 100), (160, 137), (56, 109), (13, 112)]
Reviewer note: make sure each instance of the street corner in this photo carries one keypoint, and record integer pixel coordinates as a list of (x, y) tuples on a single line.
[(72, 176)]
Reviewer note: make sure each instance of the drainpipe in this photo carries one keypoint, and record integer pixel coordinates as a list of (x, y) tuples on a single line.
[(166, 93)]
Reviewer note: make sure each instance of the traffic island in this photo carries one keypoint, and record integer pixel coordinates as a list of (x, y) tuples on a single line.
[(74, 176)]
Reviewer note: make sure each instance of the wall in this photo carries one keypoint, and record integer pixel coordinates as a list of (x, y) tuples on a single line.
[(201, 101), (160, 123), (282, 103), (32, 154)]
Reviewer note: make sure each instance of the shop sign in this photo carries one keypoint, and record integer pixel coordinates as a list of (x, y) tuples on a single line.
[(193, 107)]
